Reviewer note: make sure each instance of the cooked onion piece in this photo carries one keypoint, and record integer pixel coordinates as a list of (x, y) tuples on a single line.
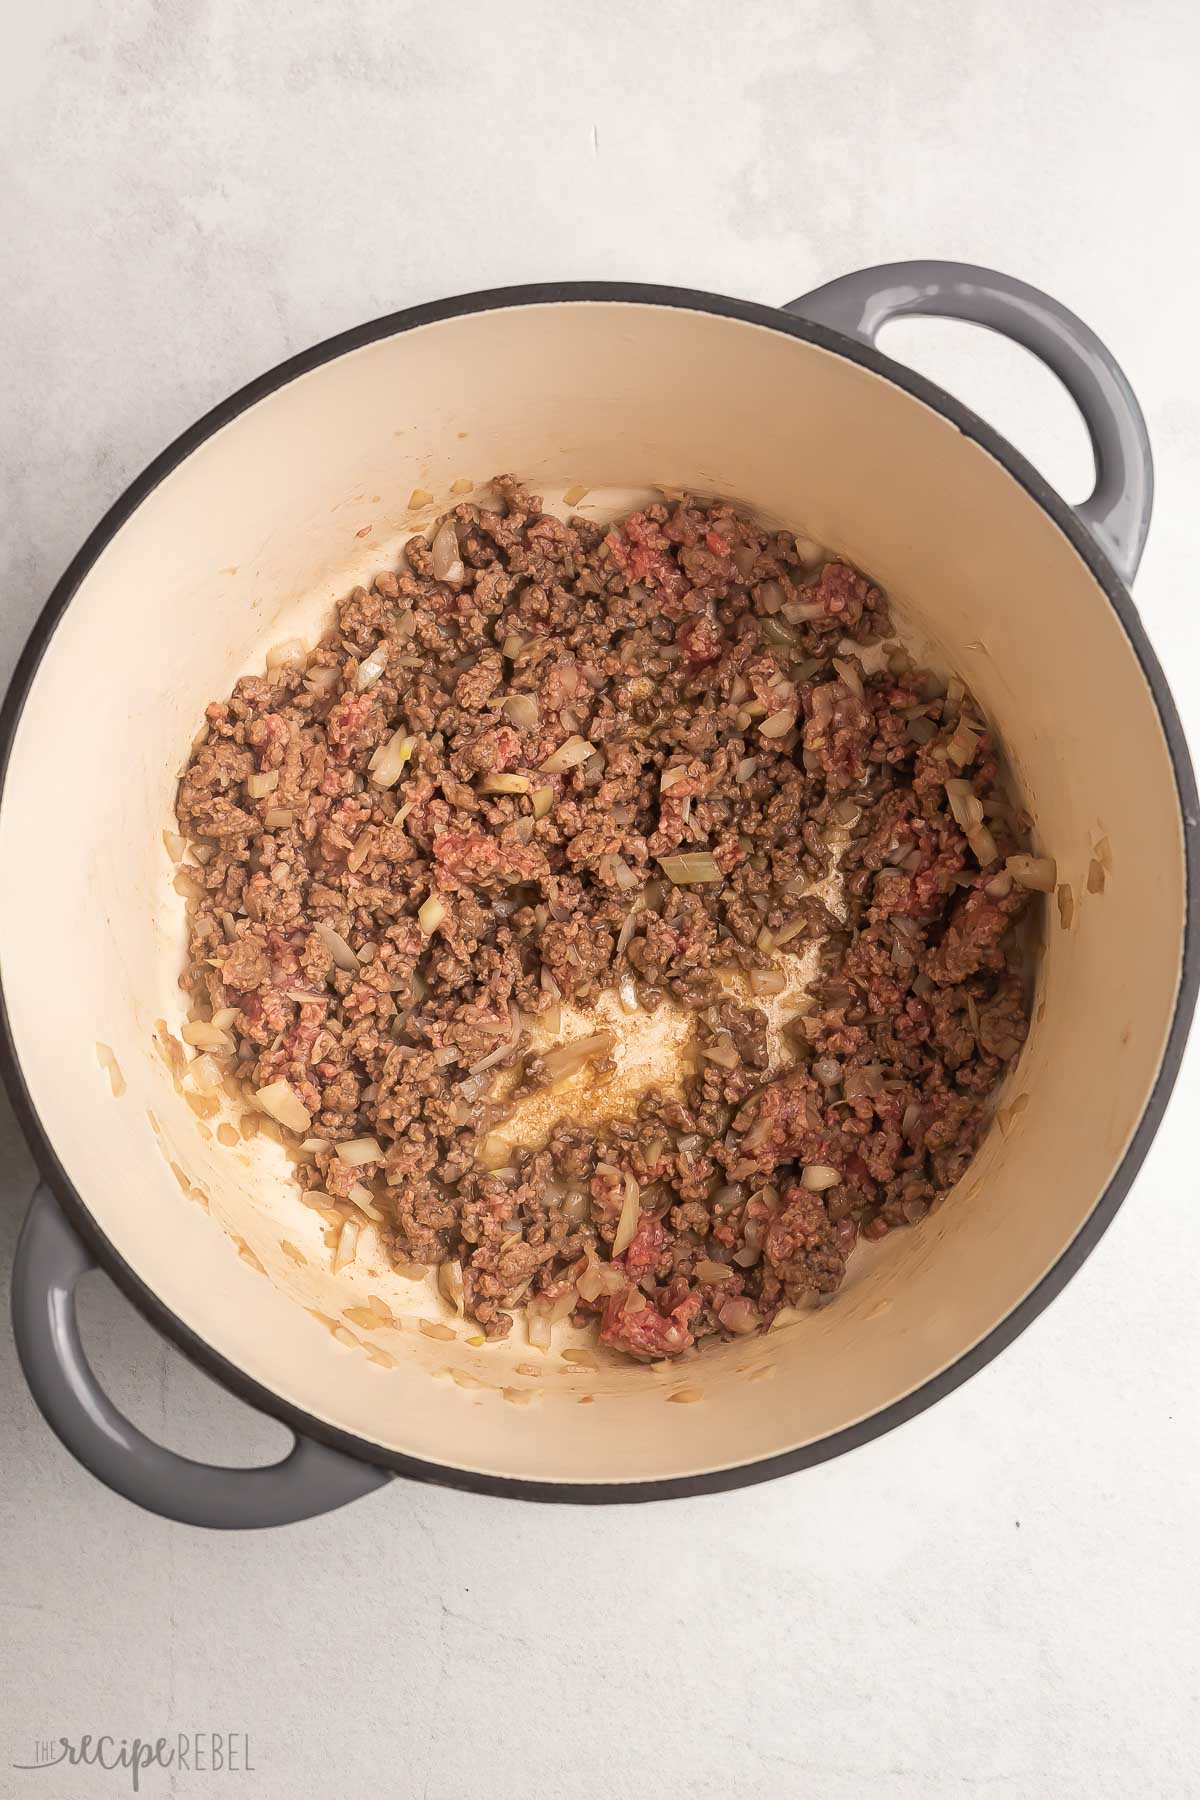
[(281, 1103), (627, 1224), (1037, 872), (387, 764), (690, 867)]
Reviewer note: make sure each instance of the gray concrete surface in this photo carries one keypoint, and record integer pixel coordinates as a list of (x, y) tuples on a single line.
[(997, 1600)]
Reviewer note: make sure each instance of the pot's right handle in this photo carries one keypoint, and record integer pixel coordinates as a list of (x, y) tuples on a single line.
[(50, 1261), (1118, 510)]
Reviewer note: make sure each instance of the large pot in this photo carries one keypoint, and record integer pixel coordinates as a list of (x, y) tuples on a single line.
[(244, 532)]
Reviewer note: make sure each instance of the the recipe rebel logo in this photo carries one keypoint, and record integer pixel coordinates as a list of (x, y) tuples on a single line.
[(189, 1752)]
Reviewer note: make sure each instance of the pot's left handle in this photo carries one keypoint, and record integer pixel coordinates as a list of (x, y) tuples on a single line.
[(49, 1263)]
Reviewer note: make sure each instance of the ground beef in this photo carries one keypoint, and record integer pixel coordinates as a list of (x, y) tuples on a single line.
[(713, 694)]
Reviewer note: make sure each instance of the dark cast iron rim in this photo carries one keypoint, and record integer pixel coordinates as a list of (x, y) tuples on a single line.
[(978, 431)]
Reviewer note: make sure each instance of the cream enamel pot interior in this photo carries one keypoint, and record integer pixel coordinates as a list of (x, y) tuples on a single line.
[(245, 532)]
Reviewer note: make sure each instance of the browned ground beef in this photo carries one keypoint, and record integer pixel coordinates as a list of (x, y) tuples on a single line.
[(694, 653)]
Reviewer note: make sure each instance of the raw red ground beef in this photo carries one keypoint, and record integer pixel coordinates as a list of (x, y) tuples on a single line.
[(632, 752)]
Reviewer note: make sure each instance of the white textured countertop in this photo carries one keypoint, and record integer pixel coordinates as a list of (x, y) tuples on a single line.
[(999, 1599)]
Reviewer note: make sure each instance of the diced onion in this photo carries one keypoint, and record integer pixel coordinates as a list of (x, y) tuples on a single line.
[(323, 680), (287, 654), (522, 709), (965, 804), (372, 667), (205, 1036), (627, 993), (767, 981), (963, 745), (450, 1284), (816, 1177), (850, 676), (562, 1307), (447, 564), (983, 845), (1038, 872), (740, 1316), (691, 867), (789, 929), (777, 725), (337, 946), (543, 800), (599, 1279), (576, 1206), (512, 646), (362, 1197), (568, 1058), (505, 784), (537, 1326), (281, 1104), (261, 783), (631, 1212), (800, 612), (551, 1020), (347, 1244), (430, 914), (360, 849), (204, 1074), (713, 1271), (568, 756), (388, 761), (277, 818), (627, 927), (672, 777), (745, 769), (357, 1151), (175, 845), (493, 1152)]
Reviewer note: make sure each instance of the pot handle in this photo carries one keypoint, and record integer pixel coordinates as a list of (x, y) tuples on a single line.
[(1117, 513), (50, 1261)]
